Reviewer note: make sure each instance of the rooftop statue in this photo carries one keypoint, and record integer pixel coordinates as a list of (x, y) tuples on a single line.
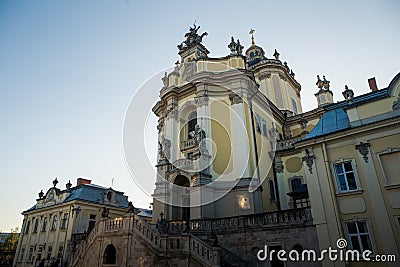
[(192, 38)]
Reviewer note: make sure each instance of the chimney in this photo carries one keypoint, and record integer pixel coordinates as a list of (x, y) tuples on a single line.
[(81, 181), (372, 84)]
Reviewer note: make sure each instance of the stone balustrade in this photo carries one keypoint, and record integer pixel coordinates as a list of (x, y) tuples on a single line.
[(284, 218)]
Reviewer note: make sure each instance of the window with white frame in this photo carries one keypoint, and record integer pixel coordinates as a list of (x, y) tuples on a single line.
[(390, 166), (345, 176), (359, 236)]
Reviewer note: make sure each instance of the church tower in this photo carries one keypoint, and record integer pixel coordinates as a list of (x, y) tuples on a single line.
[(217, 129)]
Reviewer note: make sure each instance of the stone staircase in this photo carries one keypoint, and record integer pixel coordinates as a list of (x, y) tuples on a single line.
[(200, 244), (165, 245)]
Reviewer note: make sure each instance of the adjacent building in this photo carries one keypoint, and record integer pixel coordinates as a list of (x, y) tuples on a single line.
[(63, 216)]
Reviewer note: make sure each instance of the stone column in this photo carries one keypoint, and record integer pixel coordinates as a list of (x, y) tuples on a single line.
[(239, 138)]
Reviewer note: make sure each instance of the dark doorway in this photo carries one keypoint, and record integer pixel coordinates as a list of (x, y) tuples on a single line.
[(110, 255), (275, 262)]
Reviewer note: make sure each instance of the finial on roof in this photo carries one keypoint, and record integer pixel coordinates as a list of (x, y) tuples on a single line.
[(276, 55), (55, 182), (348, 93), (252, 37), (68, 185), (319, 82), (41, 194)]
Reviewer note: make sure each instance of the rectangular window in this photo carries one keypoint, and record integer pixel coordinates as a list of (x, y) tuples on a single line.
[(21, 255), (44, 226), (345, 176), (359, 236), (258, 123), (49, 251), (294, 105), (264, 128), (29, 259), (391, 167), (28, 225), (60, 251), (35, 228)]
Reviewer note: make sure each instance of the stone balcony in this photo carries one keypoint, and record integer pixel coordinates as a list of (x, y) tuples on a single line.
[(188, 144)]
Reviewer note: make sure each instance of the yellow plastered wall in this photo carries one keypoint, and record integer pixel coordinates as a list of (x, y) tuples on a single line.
[(220, 129)]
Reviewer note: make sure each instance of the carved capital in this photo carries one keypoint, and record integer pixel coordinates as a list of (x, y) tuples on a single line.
[(303, 123), (363, 148)]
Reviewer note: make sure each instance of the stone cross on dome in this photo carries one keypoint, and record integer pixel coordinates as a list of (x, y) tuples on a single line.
[(252, 37)]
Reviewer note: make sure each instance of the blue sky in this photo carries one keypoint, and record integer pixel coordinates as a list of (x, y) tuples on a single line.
[(68, 70)]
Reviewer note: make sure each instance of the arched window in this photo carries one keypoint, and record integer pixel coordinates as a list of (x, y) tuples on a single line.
[(110, 255), (44, 226), (271, 186), (64, 221), (192, 121), (54, 223)]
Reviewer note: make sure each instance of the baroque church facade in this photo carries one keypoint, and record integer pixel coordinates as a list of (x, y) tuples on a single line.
[(241, 168)]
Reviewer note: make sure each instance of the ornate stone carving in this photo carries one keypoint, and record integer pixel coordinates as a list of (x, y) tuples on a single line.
[(396, 104), (326, 83), (319, 83), (165, 80), (303, 123), (363, 148), (278, 166), (235, 98), (264, 75), (282, 76), (236, 48), (191, 38), (309, 159), (273, 132), (201, 101), (164, 148), (276, 55), (190, 69), (348, 93)]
